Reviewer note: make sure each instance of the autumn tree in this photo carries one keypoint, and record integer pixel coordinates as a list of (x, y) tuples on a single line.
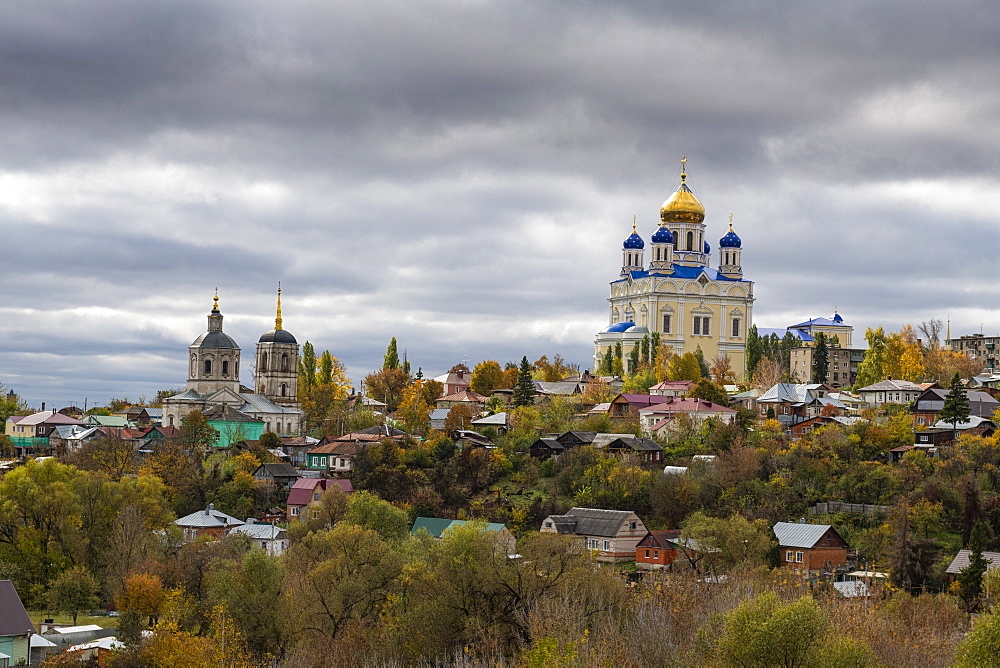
[(414, 410), (684, 367), (459, 417), (486, 377), (387, 385), (722, 372), (970, 578), (709, 391), (904, 356)]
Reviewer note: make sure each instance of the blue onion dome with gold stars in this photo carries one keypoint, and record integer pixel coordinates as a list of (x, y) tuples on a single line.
[(731, 240), (634, 241), (708, 249), (662, 236)]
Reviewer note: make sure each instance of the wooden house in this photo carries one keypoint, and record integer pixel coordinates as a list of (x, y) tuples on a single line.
[(810, 547), (611, 534)]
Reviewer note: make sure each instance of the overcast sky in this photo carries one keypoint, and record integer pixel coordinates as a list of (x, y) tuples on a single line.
[(461, 175)]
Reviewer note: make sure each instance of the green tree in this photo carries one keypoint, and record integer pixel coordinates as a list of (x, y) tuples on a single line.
[(252, 589), (733, 540), (754, 349), (764, 631), (197, 433), (956, 404), (486, 377), (821, 359), (981, 646), (970, 578), (73, 591), (684, 367), (524, 391), (325, 375), (391, 356), (709, 391), (633, 360), (618, 363), (368, 511), (654, 345), (307, 369), (872, 368)]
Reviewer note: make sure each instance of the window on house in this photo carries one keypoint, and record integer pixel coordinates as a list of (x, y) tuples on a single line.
[(789, 555), (607, 545), (798, 557), (323, 461), (690, 241), (315, 514), (295, 511), (656, 554), (548, 525), (666, 323), (631, 526), (316, 496), (647, 554), (284, 361), (593, 543)]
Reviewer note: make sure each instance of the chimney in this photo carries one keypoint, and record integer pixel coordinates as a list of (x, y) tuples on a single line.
[(43, 405), (211, 507)]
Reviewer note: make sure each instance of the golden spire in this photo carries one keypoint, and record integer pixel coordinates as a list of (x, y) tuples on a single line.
[(215, 301), (633, 224), (684, 160), (730, 222), (277, 318)]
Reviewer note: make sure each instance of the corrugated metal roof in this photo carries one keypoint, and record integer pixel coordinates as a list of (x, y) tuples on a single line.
[(793, 534), (961, 560), (437, 526), (261, 531), (208, 518)]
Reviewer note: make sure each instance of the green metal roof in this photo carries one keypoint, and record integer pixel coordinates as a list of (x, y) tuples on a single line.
[(436, 526)]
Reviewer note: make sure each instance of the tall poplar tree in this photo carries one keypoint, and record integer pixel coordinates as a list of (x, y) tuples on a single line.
[(307, 369), (325, 368), (391, 356)]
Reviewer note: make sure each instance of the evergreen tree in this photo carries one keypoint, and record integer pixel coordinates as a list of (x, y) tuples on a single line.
[(654, 344), (420, 372), (956, 403), (307, 369), (788, 341), (971, 577), (821, 359), (644, 348), (524, 391), (633, 360), (754, 349), (391, 356)]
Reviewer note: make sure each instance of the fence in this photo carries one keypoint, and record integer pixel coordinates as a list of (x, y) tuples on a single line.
[(831, 507)]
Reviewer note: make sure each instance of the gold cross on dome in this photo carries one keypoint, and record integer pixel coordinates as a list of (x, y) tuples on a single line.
[(684, 160)]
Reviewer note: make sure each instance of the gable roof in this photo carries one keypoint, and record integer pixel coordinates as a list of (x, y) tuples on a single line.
[(437, 526), (14, 620), (301, 492), (592, 521), (465, 395), (665, 538), (48, 417), (261, 531), (892, 386), (207, 519), (794, 534), (280, 470), (633, 443), (961, 560), (685, 405)]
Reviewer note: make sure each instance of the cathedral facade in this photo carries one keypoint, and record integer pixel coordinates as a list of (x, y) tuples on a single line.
[(676, 292), (213, 382)]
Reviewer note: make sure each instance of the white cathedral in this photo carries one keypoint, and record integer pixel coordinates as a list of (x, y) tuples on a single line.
[(214, 378)]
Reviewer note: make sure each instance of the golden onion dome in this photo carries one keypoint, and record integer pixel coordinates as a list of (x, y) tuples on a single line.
[(682, 206)]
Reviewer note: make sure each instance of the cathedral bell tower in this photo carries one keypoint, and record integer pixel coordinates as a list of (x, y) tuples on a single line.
[(684, 216), (277, 375), (214, 358), (632, 252)]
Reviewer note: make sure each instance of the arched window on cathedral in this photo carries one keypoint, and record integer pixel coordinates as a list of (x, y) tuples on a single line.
[(690, 240), (283, 389), (225, 367), (267, 425), (657, 253), (208, 366), (284, 361), (263, 361), (170, 421)]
